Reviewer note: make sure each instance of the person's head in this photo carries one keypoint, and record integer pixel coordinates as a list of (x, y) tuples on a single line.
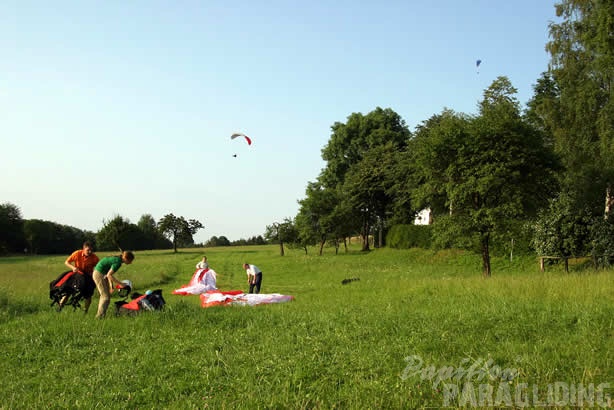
[(204, 259), (127, 257), (246, 266), (87, 248)]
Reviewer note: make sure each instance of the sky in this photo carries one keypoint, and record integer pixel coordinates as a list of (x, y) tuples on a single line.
[(127, 107)]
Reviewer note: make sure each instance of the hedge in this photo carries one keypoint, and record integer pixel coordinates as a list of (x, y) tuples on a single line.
[(409, 236)]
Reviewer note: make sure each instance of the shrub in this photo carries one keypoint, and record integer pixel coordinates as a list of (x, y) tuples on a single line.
[(409, 236), (602, 234)]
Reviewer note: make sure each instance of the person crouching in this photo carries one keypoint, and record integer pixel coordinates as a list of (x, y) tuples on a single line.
[(105, 279)]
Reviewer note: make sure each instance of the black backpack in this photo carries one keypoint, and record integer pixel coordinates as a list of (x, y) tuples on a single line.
[(150, 301), (72, 287)]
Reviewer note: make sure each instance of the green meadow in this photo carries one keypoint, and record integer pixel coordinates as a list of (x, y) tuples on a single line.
[(419, 329)]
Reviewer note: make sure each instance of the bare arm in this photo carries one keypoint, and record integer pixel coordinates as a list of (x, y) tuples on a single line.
[(113, 280), (70, 265)]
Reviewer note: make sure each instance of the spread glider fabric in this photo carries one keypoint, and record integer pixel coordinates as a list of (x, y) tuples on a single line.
[(238, 298), (202, 281)]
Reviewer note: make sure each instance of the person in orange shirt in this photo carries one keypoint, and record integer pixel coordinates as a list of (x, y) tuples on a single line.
[(83, 261)]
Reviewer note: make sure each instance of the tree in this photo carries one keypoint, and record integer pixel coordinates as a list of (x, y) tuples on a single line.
[(560, 230), (223, 241), (582, 68), (218, 241), (179, 229), (51, 238), (153, 239), (11, 228), (359, 134), (313, 221), (403, 181), (367, 189), (344, 221), (493, 169), (149, 228), (282, 232), (119, 233)]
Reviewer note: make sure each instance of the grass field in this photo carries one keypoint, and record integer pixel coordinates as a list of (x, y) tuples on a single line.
[(416, 328)]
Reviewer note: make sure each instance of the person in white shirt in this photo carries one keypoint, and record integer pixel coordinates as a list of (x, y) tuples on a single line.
[(254, 277), (202, 264)]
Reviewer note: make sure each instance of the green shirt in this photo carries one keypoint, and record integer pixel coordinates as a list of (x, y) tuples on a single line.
[(108, 263)]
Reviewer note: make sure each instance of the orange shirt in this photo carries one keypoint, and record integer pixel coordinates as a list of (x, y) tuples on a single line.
[(84, 263)]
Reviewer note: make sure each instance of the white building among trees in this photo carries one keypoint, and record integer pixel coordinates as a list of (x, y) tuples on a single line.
[(423, 217)]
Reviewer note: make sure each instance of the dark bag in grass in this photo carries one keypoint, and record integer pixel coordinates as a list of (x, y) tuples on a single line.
[(150, 301), (70, 288)]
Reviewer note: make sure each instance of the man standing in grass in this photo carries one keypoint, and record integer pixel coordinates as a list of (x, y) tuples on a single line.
[(254, 277), (83, 261)]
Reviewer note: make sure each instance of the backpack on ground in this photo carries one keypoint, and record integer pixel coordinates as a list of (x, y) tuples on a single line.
[(150, 301)]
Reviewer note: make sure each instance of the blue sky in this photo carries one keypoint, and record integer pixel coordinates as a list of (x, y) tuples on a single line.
[(116, 107)]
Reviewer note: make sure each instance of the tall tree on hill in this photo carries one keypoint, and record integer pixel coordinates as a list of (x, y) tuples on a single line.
[(179, 229), (582, 68), (493, 169)]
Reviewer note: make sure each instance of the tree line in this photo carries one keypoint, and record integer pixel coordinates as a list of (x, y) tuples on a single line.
[(539, 176), (35, 236)]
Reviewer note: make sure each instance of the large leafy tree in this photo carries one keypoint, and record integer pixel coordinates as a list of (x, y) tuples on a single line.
[(367, 189), (344, 220), (153, 238), (345, 155), (147, 224), (118, 233), (581, 112), (351, 140), (178, 229), (11, 228), (314, 222), (562, 230), (492, 169)]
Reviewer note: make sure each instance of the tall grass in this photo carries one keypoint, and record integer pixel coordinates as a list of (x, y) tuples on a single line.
[(335, 346)]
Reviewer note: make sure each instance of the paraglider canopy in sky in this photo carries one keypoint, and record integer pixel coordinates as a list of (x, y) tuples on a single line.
[(240, 134), (477, 65)]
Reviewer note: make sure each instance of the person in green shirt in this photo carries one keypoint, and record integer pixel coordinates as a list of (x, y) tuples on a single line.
[(104, 277)]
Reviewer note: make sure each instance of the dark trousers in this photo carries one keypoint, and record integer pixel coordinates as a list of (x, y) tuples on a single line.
[(256, 285)]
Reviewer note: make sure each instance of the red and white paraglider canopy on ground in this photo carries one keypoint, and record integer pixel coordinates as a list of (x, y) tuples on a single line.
[(202, 281), (238, 298)]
